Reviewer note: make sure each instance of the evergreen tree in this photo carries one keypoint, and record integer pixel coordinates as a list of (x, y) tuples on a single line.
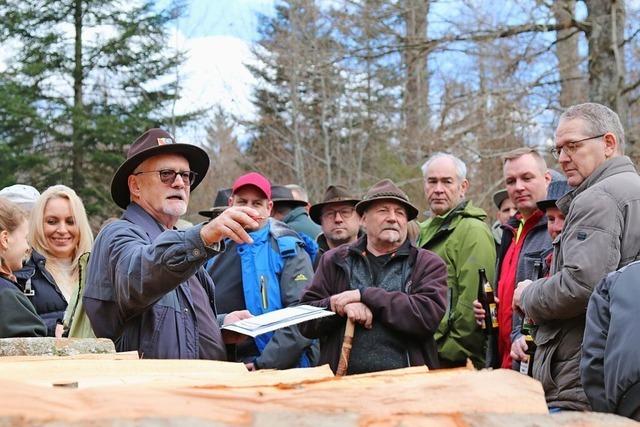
[(299, 97), (84, 79)]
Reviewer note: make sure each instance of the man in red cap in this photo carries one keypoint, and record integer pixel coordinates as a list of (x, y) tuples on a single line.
[(147, 289), (263, 276)]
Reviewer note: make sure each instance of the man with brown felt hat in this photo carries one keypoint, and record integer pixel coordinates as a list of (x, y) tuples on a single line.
[(393, 291), (146, 288), (338, 218)]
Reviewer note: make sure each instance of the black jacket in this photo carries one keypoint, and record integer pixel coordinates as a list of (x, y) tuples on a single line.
[(47, 298)]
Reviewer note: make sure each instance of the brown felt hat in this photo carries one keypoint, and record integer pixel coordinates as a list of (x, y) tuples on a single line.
[(220, 203), (387, 190), (152, 143), (333, 194)]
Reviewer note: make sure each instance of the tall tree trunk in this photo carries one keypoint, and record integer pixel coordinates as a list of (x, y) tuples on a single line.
[(76, 124), (295, 73), (416, 94), (572, 80), (606, 57)]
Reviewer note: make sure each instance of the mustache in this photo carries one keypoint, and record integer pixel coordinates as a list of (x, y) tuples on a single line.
[(180, 194)]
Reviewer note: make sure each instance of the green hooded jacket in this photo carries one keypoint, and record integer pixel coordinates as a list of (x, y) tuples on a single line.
[(465, 243)]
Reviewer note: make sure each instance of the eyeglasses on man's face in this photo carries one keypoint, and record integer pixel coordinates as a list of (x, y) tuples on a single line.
[(345, 213), (168, 176), (571, 147)]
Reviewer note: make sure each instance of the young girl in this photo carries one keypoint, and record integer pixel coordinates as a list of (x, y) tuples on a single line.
[(18, 317)]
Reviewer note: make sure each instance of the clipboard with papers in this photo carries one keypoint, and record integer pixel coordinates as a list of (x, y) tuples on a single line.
[(274, 320)]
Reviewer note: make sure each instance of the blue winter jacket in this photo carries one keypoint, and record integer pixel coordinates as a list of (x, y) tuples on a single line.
[(136, 291), (264, 276)]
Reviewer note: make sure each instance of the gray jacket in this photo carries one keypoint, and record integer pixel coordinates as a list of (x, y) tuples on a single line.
[(137, 292), (600, 235), (610, 360)]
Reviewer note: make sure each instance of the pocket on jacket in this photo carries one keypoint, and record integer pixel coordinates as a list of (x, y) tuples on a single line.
[(547, 345), (568, 370), (158, 315), (529, 269)]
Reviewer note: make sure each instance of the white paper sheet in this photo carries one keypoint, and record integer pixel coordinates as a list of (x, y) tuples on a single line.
[(273, 320)]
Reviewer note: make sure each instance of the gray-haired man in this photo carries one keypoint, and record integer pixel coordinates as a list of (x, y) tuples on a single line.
[(456, 231), (600, 235)]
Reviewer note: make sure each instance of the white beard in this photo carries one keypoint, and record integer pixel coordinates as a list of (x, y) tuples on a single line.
[(390, 236), (175, 208)]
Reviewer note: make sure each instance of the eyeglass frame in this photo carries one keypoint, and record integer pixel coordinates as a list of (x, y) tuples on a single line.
[(191, 176), (331, 214), (556, 152)]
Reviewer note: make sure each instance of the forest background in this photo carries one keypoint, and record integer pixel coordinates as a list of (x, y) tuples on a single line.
[(344, 91)]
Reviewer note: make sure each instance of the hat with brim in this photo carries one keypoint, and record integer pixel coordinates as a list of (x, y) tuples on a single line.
[(387, 190), (153, 143), (220, 204), (556, 190), (282, 194), (333, 194), (499, 197)]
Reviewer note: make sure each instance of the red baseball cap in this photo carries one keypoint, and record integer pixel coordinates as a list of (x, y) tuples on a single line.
[(255, 179)]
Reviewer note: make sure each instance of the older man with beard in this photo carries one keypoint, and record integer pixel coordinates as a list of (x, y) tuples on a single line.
[(146, 287), (395, 292)]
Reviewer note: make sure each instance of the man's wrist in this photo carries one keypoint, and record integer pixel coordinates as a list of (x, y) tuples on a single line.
[(211, 246)]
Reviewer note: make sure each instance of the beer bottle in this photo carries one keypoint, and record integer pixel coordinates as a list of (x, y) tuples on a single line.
[(527, 323), (526, 364), (488, 301), (490, 324)]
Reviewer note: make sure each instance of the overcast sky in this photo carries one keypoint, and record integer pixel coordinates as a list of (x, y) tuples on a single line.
[(216, 36)]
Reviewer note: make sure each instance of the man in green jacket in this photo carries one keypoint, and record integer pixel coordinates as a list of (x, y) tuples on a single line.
[(457, 233)]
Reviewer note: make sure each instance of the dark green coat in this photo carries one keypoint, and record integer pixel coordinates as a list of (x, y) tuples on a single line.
[(299, 220), (465, 243), (18, 317)]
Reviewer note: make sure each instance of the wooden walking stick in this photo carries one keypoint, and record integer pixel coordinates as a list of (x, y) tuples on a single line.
[(345, 351)]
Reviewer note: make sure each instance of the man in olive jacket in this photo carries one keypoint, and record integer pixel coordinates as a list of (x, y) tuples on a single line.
[(600, 235), (456, 231)]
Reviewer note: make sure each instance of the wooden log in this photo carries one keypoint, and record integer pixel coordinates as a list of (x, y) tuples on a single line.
[(227, 394)]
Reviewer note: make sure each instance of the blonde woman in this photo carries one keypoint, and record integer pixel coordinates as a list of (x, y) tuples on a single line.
[(60, 235), (18, 317)]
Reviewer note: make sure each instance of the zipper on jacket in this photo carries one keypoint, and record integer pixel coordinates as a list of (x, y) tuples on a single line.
[(263, 292), (407, 287)]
